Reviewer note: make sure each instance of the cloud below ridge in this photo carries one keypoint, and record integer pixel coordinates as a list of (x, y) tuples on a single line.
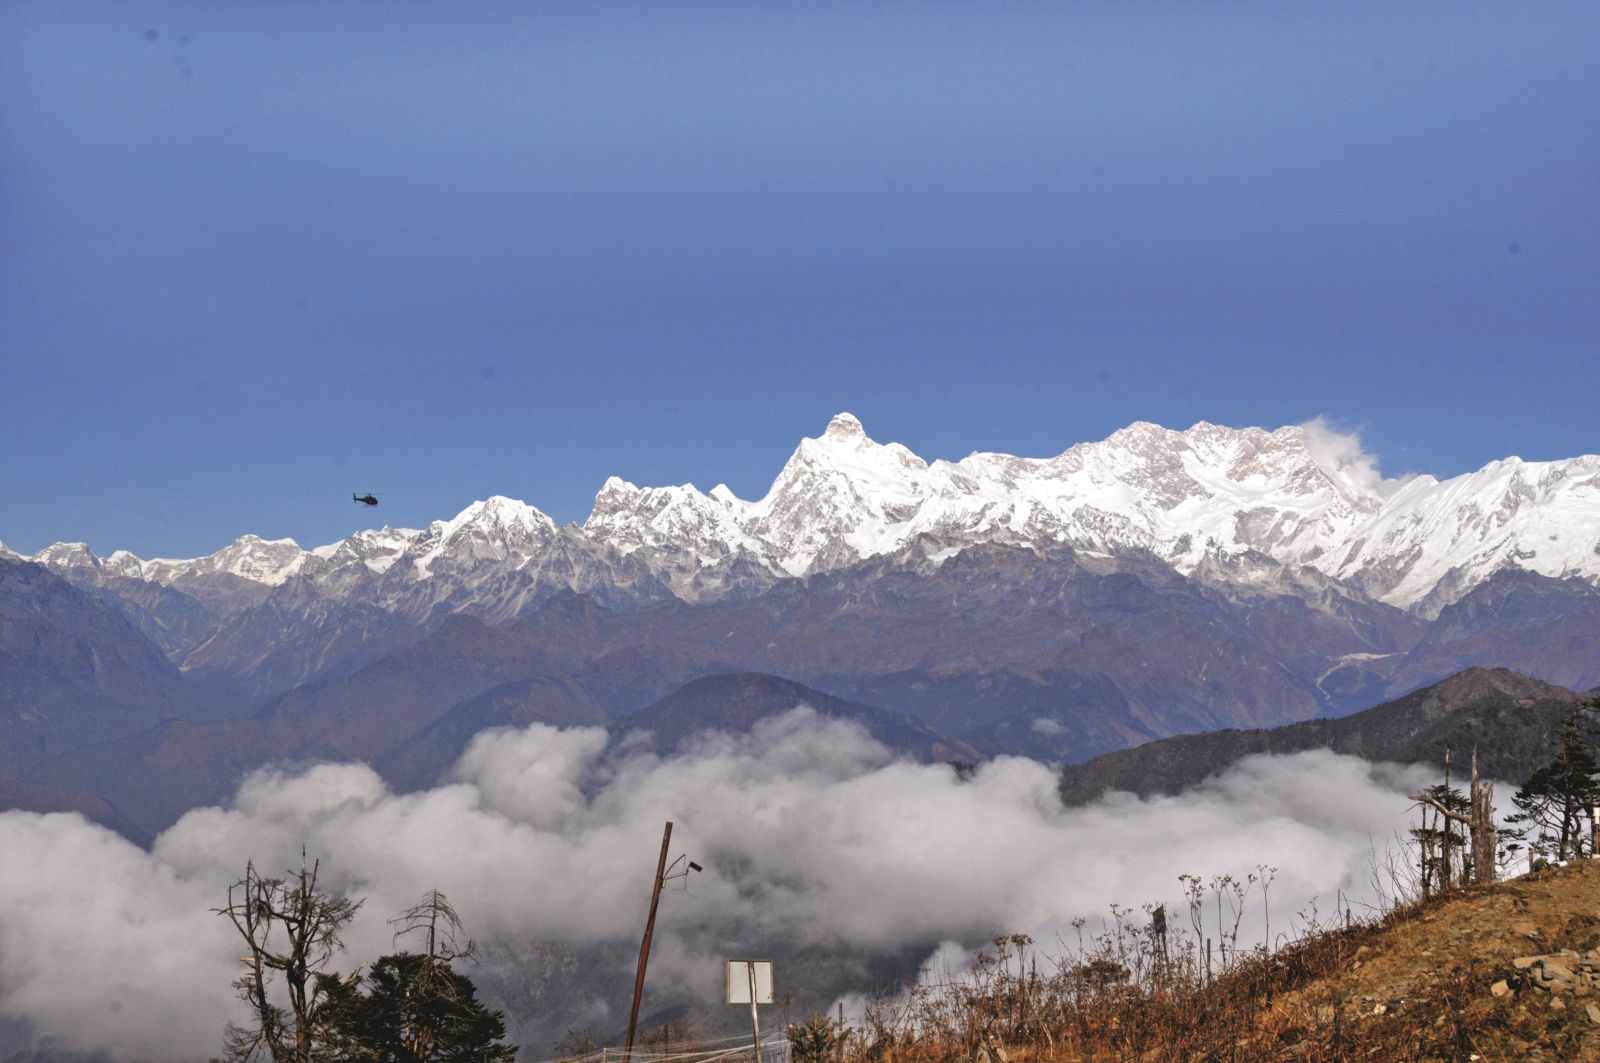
[(1347, 462), (812, 835)]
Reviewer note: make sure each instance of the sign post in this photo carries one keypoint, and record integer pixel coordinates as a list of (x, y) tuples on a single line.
[(750, 981)]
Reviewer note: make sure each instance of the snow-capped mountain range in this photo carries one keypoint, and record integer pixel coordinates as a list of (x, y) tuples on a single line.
[(1190, 498), (1154, 583)]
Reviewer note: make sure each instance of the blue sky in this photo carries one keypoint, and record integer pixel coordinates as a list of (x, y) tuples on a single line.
[(254, 256)]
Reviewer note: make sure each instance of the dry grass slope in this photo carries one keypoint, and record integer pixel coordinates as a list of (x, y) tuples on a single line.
[(1503, 972)]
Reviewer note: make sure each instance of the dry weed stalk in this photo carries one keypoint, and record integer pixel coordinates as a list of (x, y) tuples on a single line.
[(1142, 987)]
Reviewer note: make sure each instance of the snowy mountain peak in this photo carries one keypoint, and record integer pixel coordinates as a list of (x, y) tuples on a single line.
[(266, 561), (844, 426), (1200, 499), (123, 563), (501, 513), (67, 555), (496, 530), (845, 448), (374, 551)]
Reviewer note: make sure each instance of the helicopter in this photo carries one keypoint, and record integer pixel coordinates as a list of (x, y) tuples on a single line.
[(366, 500)]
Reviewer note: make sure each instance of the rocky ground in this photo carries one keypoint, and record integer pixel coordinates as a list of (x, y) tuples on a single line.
[(1510, 971)]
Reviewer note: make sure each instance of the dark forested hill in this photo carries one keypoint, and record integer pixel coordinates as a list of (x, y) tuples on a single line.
[(1507, 717), (736, 702)]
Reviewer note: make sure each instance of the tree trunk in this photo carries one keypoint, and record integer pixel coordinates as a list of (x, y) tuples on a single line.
[(1482, 827)]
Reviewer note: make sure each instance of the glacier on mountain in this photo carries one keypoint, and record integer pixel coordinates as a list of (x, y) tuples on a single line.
[(1201, 500)]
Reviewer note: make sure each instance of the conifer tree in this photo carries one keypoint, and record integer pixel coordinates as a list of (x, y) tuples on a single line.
[(415, 1008), (1559, 799), (1445, 859)]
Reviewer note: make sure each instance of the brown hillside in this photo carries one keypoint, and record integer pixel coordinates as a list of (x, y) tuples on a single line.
[(1503, 972), (1510, 971)]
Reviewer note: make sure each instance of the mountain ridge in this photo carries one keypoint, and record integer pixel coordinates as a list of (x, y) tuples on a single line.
[(1187, 497), (1501, 716)]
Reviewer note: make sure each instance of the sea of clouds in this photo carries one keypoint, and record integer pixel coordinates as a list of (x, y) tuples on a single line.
[(812, 835)]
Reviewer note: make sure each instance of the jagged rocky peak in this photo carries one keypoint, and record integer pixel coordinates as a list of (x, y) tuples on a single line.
[(374, 550), (679, 518), (845, 431), (1300, 495), (844, 426), (497, 529), (1207, 460), (1449, 536), (250, 557), (67, 555), (1200, 499), (847, 463), (838, 499), (618, 499), (123, 563), (269, 561), (498, 511), (498, 523)]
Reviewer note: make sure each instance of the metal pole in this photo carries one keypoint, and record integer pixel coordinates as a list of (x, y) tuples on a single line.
[(755, 1023), (644, 948)]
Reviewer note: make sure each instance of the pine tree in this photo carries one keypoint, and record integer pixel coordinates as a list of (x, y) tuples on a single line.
[(415, 1007), (415, 1010), (1445, 856), (1557, 799)]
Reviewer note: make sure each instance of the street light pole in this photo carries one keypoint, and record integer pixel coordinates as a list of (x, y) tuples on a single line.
[(644, 948)]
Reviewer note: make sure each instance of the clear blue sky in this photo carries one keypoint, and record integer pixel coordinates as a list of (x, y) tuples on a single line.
[(254, 256)]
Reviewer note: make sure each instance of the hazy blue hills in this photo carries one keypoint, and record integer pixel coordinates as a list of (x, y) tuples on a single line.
[(1059, 653)]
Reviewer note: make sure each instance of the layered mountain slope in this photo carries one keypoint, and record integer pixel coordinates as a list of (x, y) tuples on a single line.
[(1055, 653), (1506, 717), (1519, 619), (1152, 583), (73, 672), (1256, 514)]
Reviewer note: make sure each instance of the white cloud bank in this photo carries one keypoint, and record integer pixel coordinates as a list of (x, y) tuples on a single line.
[(809, 830), (1343, 458)]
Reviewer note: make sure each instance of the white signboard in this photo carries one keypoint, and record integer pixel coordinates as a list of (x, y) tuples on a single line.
[(739, 981)]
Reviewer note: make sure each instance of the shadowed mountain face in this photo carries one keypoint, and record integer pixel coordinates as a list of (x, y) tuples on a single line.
[(1082, 653), (1054, 653), (735, 703), (1518, 620), (41, 797), (426, 757), (74, 672), (155, 776), (1508, 718), (155, 684), (1153, 583)]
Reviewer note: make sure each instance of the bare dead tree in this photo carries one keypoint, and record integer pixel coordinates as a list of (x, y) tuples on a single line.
[(1478, 819), (437, 923), (292, 929)]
